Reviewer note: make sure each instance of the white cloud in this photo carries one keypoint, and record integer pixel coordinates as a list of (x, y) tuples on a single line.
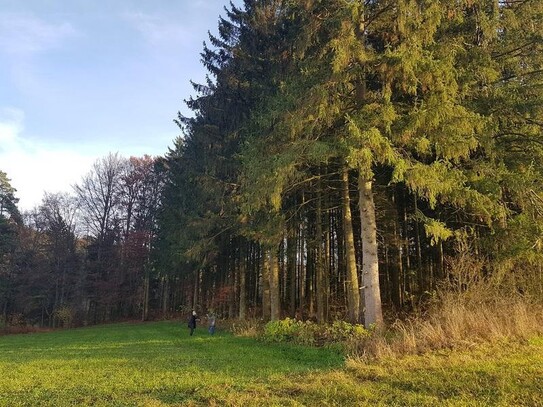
[(159, 31), (35, 168), (24, 35), (10, 125)]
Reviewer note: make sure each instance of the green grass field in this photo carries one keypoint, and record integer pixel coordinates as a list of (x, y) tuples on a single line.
[(158, 364)]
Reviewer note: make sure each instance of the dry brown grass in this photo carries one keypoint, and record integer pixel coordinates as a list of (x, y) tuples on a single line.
[(248, 328), (471, 309), (456, 325), (16, 330)]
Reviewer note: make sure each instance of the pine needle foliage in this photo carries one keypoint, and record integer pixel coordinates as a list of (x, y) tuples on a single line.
[(437, 102)]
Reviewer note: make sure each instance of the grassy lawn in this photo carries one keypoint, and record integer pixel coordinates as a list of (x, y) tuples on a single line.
[(158, 364)]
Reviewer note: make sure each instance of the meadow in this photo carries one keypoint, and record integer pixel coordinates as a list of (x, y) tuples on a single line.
[(158, 364)]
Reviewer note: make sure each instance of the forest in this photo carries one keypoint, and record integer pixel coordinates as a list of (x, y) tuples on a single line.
[(344, 160)]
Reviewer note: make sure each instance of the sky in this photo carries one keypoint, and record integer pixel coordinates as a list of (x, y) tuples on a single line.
[(80, 79)]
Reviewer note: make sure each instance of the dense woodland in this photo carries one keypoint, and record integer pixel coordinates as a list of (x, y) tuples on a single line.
[(342, 160)]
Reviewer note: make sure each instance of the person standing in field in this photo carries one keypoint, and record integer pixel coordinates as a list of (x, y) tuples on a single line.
[(192, 322), (211, 320)]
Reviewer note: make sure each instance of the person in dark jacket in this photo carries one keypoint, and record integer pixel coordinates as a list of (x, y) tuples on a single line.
[(192, 322)]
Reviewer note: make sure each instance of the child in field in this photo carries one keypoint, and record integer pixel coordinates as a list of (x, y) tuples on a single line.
[(211, 320)]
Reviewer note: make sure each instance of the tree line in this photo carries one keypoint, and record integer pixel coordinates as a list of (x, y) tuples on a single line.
[(84, 257), (342, 156)]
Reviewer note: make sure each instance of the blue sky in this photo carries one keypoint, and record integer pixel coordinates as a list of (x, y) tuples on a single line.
[(82, 78)]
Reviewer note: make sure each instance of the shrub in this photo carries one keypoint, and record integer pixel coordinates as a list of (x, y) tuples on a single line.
[(16, 319), (310, 333), (284, 330), (65, 316), (340, 331)]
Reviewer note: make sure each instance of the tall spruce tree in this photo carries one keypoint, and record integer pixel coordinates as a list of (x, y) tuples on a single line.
[(412, 86), (441, 98), (241, 61)]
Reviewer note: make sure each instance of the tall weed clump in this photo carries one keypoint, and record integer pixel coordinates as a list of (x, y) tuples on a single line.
[(246, 327)]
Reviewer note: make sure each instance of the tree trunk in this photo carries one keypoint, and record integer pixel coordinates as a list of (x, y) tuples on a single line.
[(328, 263), (302, 270), (373, 313), (397, 268), (320, 287), (275, 307), (257, 263), (242, 283), (145, 311), (353, 293), (196, 289), (165, 294), (409, 275), (232, 284), (420, 271), (266, 305), (338, 257), (291, 270)]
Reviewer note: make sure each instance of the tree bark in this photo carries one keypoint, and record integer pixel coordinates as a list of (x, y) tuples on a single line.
[(291, 270), (165, 294), (420, 272), (266, 305), (320, 279), (145, 310), (275, 306), (242, 283), (328, 262), (397, 268), (196, 289), (373, 313), (353, 293)]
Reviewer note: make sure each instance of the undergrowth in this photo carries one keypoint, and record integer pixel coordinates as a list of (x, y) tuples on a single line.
[(473, 307)]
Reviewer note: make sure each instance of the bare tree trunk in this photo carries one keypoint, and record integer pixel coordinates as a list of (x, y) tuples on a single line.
[(242, 283), (266, 305), (397, 268), (327, 267), (441, 259), (420, 271), (291, 270), (302, 269), (232, 283), (338, 257), (320, 287), (275, 306), (373, 313), (258, 264), (165, 294), (353, 293), (310, 280), (145, 311), (409, 275), (196, 289)]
